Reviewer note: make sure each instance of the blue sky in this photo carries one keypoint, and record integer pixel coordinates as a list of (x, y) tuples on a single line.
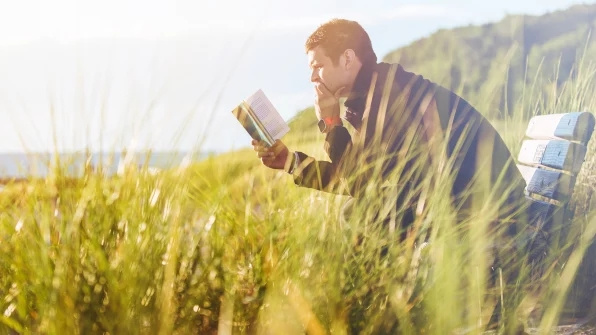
[(165, 74)]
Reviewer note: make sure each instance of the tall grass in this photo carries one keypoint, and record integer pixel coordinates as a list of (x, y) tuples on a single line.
[(227, 246)]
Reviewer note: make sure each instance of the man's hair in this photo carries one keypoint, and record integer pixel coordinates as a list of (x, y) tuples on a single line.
[(338, 35)]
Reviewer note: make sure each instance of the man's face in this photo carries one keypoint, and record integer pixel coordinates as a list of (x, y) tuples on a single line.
[(325, 72)]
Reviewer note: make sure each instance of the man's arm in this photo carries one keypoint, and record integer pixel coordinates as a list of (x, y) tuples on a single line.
[(324, 175), (307, 171)]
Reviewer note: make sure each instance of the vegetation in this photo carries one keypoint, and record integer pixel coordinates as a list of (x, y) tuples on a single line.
[(513, 50), (227, 245)]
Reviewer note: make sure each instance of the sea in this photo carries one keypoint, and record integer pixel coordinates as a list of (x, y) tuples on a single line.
[(38, 164)]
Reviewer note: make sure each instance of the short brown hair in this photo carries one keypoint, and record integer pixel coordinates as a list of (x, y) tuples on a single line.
[(338, 35)]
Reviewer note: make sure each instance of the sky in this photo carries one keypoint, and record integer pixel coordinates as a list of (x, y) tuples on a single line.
[(164, 75)]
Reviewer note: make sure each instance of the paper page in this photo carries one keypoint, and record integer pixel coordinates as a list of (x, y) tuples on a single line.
[(268, 115)]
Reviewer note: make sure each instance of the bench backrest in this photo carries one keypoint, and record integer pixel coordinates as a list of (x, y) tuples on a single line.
[(550, 159)]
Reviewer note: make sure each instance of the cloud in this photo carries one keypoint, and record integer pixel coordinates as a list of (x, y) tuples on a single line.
[(366, 17), (277, 23), (422, 11), (68, 20)]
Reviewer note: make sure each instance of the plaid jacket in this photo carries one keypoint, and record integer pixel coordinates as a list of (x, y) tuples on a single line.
[(405, 127)]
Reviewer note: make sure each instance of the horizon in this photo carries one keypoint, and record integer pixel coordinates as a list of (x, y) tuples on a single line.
[(38, 164), (148, 84)]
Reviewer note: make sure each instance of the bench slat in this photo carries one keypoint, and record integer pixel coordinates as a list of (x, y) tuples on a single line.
[(576, 126), (556, 154), (547, 183), (540, 213), (545, 216)]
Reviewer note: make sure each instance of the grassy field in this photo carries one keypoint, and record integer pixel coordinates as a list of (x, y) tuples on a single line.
[(228, 246)]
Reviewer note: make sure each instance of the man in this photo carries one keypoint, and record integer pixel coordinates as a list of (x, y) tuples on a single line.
[(406, 131), (409, 138)]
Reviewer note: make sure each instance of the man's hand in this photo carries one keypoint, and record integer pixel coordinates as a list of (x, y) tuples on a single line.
[(326, 103), (273, 157)]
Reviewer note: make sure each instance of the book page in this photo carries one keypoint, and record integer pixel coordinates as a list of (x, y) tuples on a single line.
[(268, 115)]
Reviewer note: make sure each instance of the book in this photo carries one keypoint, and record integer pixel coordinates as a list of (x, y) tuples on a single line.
[(260, 119)]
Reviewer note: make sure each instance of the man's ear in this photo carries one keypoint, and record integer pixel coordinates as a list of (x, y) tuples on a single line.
[(350, 58)]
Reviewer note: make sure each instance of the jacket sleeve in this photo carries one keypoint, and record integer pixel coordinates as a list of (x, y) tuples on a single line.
[(324, 175)]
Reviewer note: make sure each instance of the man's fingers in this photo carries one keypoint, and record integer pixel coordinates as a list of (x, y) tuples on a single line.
[(263, 151), (318, 92), (268, 161), (322, 92), (257, 145), (261, 146), (270, 155), (325, 98), (262, 154), (277, 146)]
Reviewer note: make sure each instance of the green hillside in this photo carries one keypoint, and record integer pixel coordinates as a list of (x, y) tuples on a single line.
[(512, 52)]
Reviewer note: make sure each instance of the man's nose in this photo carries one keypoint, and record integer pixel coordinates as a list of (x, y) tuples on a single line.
[(314, 76)]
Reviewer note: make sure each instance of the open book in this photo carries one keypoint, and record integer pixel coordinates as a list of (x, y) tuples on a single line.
[(260, 119)]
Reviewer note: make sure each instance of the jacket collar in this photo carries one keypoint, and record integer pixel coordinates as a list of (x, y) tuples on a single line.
[(356, 101)]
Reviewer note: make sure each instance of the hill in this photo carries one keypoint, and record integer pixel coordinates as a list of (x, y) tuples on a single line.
[(520, 50)]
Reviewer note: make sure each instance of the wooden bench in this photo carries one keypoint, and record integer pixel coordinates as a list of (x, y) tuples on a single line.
[(550, 159)]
